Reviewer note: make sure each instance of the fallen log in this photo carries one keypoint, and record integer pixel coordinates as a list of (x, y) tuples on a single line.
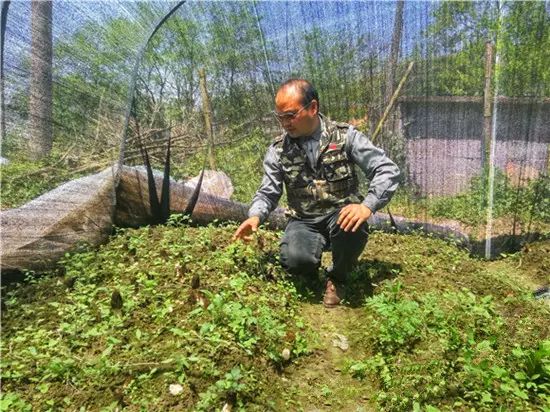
[(382, 221), (36, 235), (133, 207)]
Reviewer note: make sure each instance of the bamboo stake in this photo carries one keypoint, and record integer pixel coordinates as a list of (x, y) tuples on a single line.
[(392, 101), (207, 110), (487, 99)]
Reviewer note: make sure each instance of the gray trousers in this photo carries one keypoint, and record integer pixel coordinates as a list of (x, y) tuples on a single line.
[(305, 239)]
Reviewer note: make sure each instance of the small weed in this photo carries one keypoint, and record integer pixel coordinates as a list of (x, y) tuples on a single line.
[(447, 349), (225, 351)]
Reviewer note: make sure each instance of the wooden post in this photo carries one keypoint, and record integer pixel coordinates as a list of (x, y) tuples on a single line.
[(487, 109), (392, 101), (207, 111)]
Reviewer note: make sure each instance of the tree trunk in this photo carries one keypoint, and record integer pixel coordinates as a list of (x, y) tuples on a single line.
[(394, 53), (40, 103), (3, 20)]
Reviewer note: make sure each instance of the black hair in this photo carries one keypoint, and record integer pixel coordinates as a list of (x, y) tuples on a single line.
[(309, 93)]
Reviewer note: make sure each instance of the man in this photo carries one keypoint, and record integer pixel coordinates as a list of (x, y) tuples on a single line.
[(315, 160)]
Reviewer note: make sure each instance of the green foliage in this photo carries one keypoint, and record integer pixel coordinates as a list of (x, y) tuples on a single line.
[(448, 349), (11, 401), (330, 57), (234, 54), (399, 322), (235, 384), (525, 39), (457, 39), (224, 350), (23, 180), (527, 203)]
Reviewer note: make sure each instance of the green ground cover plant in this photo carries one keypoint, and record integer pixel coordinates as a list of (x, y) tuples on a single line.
[(449, 332), (429, 328), (66, 340)]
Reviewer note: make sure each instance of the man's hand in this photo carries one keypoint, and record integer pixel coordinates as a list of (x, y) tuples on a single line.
[(247, 228), (352, 216)]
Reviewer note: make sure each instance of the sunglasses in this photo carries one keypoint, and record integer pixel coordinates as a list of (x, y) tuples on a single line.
[(289, 116)]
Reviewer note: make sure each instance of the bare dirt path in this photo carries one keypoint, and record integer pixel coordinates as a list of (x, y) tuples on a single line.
[(319, 382)]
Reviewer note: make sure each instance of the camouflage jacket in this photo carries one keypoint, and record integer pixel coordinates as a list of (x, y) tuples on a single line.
[(332, 182)]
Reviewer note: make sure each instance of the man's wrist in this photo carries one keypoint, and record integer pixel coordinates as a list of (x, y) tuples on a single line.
[(259, 218), (370, 202), (369, 210), (254, 211)]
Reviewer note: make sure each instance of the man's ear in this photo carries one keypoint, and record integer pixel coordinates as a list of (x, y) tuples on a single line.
[(315, 106)]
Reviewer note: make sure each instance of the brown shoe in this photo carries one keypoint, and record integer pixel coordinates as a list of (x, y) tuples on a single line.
[(333, 294)]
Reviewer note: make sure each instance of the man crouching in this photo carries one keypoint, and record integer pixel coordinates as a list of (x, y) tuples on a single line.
[(315, 159)]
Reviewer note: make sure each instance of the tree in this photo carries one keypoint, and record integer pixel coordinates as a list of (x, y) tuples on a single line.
[(236, 61), (40, 103), (525, 50), (456, 44), (395, 46)]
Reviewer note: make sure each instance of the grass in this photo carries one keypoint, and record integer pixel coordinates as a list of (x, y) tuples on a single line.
[(448, 332)]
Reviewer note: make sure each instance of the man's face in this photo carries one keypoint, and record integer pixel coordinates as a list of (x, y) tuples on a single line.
[(297, 120)]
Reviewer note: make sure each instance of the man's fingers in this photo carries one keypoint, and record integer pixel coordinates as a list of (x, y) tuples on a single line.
[(240, 231), (343, 214), (357, 225), (350, 223), (346, 220), (351, 217)]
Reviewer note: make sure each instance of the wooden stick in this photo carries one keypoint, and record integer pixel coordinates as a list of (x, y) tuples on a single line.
[(207, 110), (392, 101)]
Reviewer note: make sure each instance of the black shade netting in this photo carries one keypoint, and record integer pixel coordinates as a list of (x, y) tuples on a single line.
[(468, 125)]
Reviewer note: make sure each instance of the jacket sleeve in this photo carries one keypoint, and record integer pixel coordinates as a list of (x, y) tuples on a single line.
[(267, 197), (383, 173)]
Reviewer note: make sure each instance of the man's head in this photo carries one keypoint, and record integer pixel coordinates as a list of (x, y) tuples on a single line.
[(297, 107)]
